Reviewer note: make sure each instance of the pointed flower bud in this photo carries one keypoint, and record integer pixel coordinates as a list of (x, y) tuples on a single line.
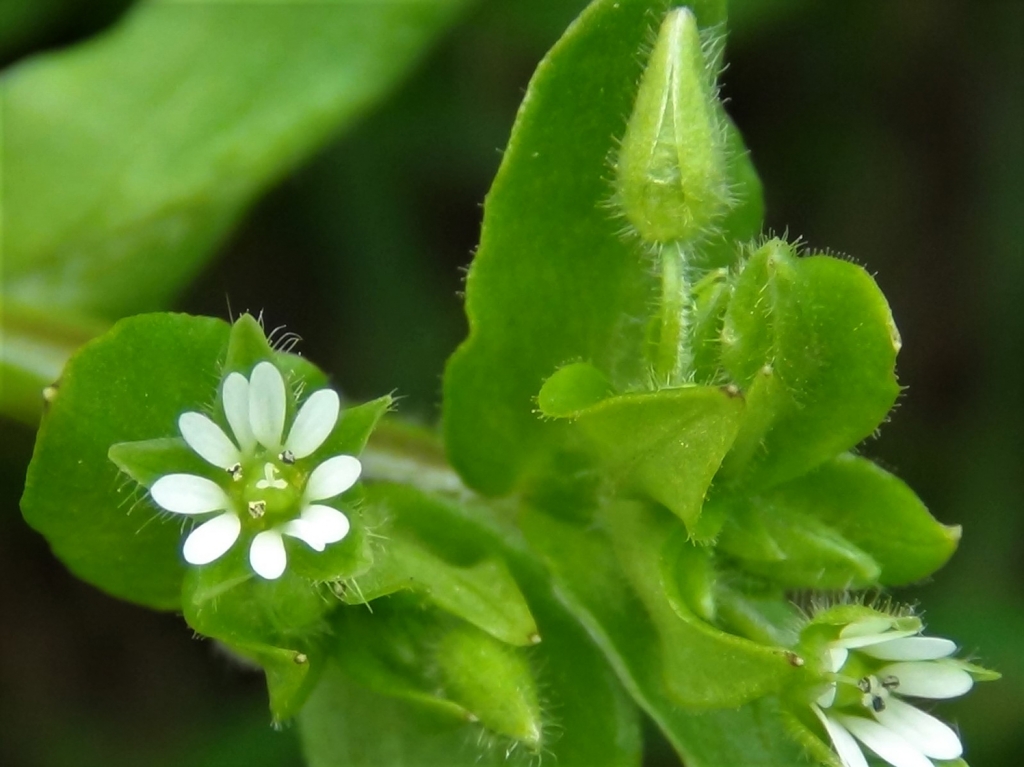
[(672, 173)]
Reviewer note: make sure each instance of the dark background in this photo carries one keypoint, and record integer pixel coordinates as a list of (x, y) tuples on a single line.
[(892, 132)]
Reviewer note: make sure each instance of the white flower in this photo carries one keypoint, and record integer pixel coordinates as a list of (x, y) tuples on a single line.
[(874, 665), (263, 487)]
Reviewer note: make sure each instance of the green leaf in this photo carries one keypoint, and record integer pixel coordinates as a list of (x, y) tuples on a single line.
[(813, 342), (789, 546), (128, 159), (615, 587), (455, 573), (347, 725), (875, 511), (587, 719), (130, 384), (553, 280), (666, 444), (667, 657)]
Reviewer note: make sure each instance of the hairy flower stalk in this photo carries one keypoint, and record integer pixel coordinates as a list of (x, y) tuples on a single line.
[(873, 666), (263, 489)]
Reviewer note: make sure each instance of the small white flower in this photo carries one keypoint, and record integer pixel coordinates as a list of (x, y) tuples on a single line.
[(262, 489), (874, 665)]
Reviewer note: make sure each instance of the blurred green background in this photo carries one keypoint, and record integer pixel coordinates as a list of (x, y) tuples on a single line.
[(889, 131)]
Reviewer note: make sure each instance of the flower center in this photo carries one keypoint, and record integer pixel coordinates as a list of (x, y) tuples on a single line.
[(270, 492)]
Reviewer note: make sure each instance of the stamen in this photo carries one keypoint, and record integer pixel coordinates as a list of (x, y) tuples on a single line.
[(257, 509), (235, 471), (287, 457), (891, 682)]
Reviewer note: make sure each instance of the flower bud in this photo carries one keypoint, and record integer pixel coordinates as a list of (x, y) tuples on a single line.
[(672, 173)]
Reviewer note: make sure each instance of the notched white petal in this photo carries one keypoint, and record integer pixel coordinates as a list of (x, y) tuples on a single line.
[(923, 731), (333, 477), (866, 627), (208, 440), (857, 641), (212, 539), (849, 752), (827, 698), (929, 679), (235, 395), (911, 648), (314, 423), (305, 532), (267, 405), (837, 658), (331, 525), (889, 745), (189, 494), (267, 555)]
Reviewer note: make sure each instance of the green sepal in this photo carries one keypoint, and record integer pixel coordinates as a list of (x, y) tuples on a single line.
[(711, 296), (572, 389), (671, 173), (354, 427), (493, 681), (824, 330), (454, 573), (278, 624), (389, 649), (147, 460), (667, 444)]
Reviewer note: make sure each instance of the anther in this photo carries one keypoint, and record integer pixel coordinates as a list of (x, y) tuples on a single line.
[(235, 471), (257, 509), (890, 682), (287, 457), (877, 704)]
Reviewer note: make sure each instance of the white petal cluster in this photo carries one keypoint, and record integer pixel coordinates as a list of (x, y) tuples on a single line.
[(908, 665), (256, 410)]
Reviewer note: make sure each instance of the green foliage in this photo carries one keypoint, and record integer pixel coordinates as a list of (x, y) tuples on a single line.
[(658, 420)]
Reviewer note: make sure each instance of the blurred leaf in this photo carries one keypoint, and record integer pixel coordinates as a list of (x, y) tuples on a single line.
[(553, 281), (813, 342), (129, 158)]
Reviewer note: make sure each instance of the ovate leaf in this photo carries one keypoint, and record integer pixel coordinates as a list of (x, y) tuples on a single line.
[(813, 343)]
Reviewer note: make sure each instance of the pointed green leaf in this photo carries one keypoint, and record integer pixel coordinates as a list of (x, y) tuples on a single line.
[(667, 444), (875, 511)]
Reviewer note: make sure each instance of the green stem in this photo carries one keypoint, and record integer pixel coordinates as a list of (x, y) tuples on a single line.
[(674, 356)]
